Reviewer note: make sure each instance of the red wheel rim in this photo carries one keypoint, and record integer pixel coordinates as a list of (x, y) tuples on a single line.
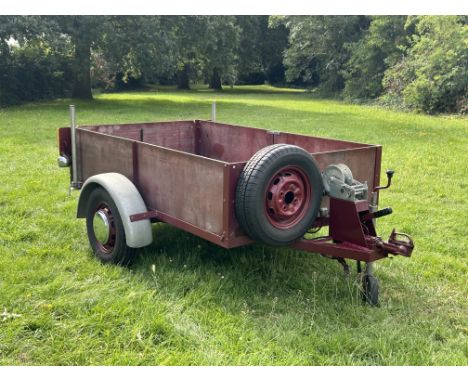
[(104, 214), (288, 197)]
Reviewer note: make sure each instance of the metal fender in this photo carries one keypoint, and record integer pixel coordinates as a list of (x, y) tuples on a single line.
[(128, 201)]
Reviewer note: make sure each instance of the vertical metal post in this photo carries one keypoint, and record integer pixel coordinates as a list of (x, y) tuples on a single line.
[(213, 111), (73, 145), (373, 207)]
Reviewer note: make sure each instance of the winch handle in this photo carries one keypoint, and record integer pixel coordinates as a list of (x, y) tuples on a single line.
[(389, 180)]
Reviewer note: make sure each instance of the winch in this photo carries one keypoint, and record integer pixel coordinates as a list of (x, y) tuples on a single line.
[(339, 183)]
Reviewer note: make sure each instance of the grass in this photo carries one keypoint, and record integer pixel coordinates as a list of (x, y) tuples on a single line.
[(186, 301)]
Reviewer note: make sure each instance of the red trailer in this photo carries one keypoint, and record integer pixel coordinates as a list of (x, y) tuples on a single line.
[(231, 185)]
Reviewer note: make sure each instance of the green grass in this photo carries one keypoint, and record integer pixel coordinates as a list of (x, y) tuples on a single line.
[(186, 301)]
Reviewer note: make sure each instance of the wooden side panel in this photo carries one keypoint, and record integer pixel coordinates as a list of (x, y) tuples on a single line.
[(316, 144), (231, 143), (178, 135), (129, 131), (361, 162), (184, 186), (99, 153)]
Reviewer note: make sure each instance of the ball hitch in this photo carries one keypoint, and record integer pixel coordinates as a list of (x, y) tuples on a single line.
[(397, 244), (405, 246)]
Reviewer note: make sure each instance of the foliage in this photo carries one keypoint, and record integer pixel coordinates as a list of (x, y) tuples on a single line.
[(274, 43), (124, 47), (250, 49), (433, 75), (220, 50), (83, 32), (140, 46), (378, 50), (31, 73), (32, 64), (261, 50), (190, 33), (317, 52), (411, 62)]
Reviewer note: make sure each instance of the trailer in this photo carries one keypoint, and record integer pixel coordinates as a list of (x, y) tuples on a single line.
[(231, 185)]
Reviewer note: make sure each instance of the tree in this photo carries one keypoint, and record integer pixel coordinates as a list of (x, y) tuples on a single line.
[(134, 45), (260, 50), (127, 46), (220, 50), (250, 65), (33, 60), (380, 48), (432, 76), (317, 52), (83, 32), (275, 42), (140, 46), (190, 34)]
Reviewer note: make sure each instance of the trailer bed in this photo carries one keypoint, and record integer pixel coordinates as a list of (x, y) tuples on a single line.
[(187, 171)]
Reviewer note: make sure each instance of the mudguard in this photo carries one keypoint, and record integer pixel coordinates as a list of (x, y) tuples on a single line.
[(128, 201)]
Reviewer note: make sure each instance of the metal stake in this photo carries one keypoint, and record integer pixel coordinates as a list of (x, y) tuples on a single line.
[(213, 111), (73, 146), (373, 207)]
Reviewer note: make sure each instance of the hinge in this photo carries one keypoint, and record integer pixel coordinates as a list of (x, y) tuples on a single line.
[(273, 132)]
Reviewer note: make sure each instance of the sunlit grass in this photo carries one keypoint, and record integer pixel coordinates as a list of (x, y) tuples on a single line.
[(186, 301)]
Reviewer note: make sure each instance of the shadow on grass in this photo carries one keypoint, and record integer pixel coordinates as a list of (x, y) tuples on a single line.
[(188, 268), (336, 114), (239, 89), (147, 108), (331, 121), (150, 109)]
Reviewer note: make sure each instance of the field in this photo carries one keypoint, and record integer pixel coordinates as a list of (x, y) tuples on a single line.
[(188, 302)]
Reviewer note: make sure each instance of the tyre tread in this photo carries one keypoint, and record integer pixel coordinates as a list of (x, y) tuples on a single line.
[(251, 178)]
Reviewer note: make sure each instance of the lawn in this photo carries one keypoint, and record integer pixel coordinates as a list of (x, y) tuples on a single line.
[(186, 301)]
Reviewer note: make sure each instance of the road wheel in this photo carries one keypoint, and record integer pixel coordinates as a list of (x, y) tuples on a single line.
[(106, 233), (278, 194), (370, 290)]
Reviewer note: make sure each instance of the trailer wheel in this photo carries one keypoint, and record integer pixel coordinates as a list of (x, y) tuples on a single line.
[(370, 290), (278, 194), (106, 233)]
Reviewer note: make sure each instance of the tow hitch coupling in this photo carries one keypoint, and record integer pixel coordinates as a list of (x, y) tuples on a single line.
[(398, 244), (405, 246)]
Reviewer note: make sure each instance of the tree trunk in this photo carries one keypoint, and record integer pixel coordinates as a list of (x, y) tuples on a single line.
[(183, 78), (215, 80), (82, 70)]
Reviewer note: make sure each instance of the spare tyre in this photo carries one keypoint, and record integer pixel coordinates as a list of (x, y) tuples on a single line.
[(278, 194)]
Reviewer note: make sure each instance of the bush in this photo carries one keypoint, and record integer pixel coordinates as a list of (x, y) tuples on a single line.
[(29, 74), (125, 82), (372, 55), (433, 76), (253, 78)]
